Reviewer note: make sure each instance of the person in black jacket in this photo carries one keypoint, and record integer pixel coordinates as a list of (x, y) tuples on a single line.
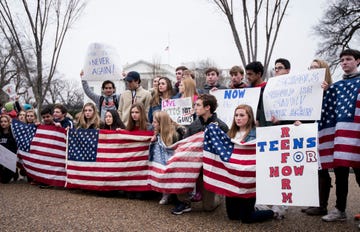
[(205, 107), (7, 140)]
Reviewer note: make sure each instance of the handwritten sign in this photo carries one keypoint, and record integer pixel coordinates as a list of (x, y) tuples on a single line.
[(294, 97), (10, 90), (103, 62), (229, 99), (180, 110), (287, 165), (7, 158)]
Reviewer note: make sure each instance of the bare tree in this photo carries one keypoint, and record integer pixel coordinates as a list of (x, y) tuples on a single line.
[(66, 92), (251, 11), (155, 71), (338, 29), (7, 69), (48, 22)]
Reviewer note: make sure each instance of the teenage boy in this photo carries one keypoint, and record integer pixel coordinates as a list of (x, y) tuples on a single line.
[(60, 118), (205, 107), (212, 79), (109, 100), (282, 67), (254, 72), (340, 126), (135, 94), (47, 115), (237, 78), (179, 71)]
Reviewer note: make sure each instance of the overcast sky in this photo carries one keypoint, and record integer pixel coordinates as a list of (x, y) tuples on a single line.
[(193, 30)]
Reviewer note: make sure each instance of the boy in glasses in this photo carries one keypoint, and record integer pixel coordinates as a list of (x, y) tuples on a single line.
[(282, 67)]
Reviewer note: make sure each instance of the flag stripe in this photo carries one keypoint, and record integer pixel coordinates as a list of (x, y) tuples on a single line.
[(181, 171), (120, 160), (229, 168), (339, 127), (42, 152)]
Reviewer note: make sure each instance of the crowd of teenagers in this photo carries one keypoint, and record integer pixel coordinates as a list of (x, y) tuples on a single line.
[(139, 109)]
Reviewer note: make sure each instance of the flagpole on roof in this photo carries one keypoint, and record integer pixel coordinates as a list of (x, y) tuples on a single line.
[(168, 49)]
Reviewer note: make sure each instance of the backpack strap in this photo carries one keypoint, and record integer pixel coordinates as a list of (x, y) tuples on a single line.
[(116, 101), (101, 102)]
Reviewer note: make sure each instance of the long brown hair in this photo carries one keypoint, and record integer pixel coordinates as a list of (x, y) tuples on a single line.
[(94, 121), (157, 94), (143, 122), (189, 88), (249, 125), (167, 127)]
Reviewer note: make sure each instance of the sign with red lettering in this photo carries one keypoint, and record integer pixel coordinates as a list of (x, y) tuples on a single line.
[(287, 165), (180, 110)]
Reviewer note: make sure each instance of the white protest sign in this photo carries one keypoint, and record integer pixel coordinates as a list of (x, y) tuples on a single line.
[(294, 96), (287, 165), (10, 90), (102, 62), (229, 99), (7, 158), (180, 110)]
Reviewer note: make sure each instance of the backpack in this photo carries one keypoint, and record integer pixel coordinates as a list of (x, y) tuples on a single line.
[(115, 100)]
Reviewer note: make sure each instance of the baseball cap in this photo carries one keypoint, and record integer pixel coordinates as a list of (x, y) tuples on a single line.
[(132, 76)]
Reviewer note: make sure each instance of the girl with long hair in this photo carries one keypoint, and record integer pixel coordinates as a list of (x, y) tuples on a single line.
[(137, 118), (317, 63), (163, 92), (323, 174), (30, 116), (243, 130), (243, 125), (112, 121), (187, 88), (167, 132), (89, 118)]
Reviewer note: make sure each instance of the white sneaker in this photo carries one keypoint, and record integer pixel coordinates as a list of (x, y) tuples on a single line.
[(279, 211), (165, 199), (262, 207), (334, 215)]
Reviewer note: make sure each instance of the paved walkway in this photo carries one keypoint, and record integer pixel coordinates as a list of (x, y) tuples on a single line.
[(25, 207)]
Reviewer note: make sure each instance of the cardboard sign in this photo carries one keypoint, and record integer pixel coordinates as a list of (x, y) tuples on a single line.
[(7, 158), (287, 165), (294, 96), (102, 62), (10, 90), (180, 110), (229, 99)]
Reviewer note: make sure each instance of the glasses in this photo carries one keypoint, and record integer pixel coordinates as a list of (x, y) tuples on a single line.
[(279, 68), (178, 73)]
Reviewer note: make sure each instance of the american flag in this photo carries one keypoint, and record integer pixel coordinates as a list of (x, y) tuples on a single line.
[(42, 151), (108, 160), (339, 127), (177, 174), (23, 134), (229, 168)]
